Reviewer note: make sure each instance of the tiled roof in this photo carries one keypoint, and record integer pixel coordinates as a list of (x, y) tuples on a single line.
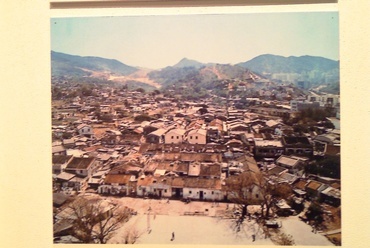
[(314, 185), (287, 161), (117, 178), (61, 159), (80, 163), (202, 183)]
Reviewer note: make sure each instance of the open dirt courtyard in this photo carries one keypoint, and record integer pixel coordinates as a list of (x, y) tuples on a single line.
[(158, 229), (157, 220)]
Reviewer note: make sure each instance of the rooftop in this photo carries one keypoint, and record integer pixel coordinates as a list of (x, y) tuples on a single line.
[(287, 161), (61, 159), (266, 143), (80, 163), (117, 178)]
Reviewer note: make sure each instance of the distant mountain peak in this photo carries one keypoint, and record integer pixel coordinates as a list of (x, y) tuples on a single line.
[(66, 64), (185, 62), (314, 69)]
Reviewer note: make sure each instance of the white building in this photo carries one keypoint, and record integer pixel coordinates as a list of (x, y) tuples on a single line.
[(197, 136), (174, 136), (84, 129), (203, 189)]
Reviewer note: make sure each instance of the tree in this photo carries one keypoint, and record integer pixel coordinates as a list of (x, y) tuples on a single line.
[(140, 90), (86, 90), (95, 220), (143, 117), (270, 193), (285, 239), (203, 111), (315, 213), (106, 117), (329, 166), (240, 188)]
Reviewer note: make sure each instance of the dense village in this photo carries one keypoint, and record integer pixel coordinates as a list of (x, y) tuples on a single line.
[(118, 142)]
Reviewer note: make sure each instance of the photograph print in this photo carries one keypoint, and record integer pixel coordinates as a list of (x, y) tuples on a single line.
[(196, 129)]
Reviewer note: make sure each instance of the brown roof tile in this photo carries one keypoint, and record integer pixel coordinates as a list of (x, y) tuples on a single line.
[(117, 178), (80, 163)]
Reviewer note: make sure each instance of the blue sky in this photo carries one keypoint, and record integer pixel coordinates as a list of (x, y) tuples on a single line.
[(158, 41)]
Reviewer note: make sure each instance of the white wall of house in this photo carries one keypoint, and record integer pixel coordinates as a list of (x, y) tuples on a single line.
[(252, 193), (197, 138), (162, 189), (75, 184), (113, 189), (208, 194), (85, 130), (88, 172), (173, 138), (143, 190)]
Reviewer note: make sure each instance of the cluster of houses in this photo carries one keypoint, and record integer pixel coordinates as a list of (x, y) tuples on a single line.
[(182, 152)]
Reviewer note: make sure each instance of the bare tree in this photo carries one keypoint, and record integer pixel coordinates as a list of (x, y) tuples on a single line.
[(270, 193), (250, 188), (285, 239), (240, 190), (95, 220), (131, 235)]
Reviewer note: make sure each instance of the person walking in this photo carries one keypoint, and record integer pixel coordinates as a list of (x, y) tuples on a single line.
[(173, 236)]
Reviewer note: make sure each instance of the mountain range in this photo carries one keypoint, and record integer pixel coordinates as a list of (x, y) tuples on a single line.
[(185, 62), (316, 70), (65, 64)]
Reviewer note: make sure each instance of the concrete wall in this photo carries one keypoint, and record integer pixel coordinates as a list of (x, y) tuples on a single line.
[(208, 194)]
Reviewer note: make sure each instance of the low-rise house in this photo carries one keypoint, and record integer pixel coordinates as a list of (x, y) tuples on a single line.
[(82, 167), (282, 208), (299, 187), (218, 124), (314, 188), (268, 148), (153, 186), (203, 189), (234, 143), (286, 178), (156, 137), (210, 170), (177, 187), (58, 150), (276, 171), (330, 138), (181, 168), (238, 126), (68, 143), (292, 163), (60, 162), (70, 180), (194, 169), (161, 187), (111, 137), (197, 136), (331, 196), (213, 133), (85, 130), (97, 179), (251, 191), (118, 184), (332, 150), (298, 145), (174, 136), (271, 111), (76, 152)]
